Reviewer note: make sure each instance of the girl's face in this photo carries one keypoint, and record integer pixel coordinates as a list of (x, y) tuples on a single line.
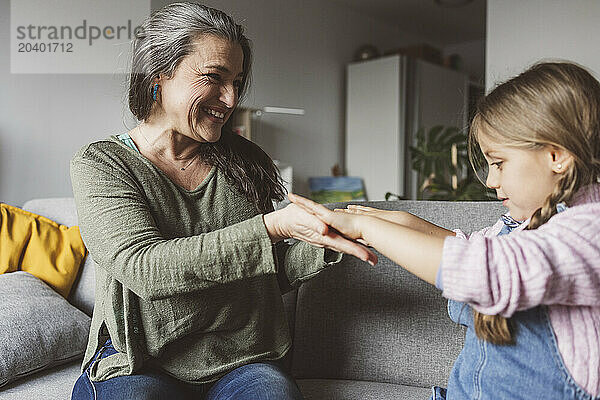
[(201, 95), (522, 178)]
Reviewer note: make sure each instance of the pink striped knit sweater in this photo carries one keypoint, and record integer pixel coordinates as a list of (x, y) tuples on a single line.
[(557, 265)]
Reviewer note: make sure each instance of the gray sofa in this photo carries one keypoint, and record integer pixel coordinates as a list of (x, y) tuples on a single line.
[(360, 332)]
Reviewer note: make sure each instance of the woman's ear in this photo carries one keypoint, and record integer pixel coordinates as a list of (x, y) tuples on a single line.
[(559, 158)]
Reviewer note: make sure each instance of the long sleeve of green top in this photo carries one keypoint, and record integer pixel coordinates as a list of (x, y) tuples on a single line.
[(186, 280)]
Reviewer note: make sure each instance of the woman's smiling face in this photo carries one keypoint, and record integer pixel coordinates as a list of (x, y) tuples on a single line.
[(203, 91)]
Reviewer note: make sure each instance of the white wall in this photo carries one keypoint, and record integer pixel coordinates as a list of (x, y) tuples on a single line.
[(45, 118), (520, 33), (301, 48)]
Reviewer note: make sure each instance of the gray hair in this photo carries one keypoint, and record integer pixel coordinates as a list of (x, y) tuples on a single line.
[(166, 37)]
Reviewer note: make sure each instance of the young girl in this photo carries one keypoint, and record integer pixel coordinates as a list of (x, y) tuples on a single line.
[(531, 299)]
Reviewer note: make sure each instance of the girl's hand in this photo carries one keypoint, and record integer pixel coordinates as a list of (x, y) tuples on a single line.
[(397, 217), (294, 221), (345, 223), (417, 251)]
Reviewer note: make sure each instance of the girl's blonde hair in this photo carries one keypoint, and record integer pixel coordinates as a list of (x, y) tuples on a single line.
[(554, 103)]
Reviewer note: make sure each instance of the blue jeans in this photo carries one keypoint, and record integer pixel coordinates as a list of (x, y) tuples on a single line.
[(258, 381)]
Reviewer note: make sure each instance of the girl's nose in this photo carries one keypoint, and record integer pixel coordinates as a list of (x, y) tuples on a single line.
[(492, 180)]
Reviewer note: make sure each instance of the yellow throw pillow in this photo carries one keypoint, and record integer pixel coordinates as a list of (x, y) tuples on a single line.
[(45, 249)]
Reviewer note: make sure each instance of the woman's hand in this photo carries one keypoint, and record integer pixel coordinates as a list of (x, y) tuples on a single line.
[(295, 221), (397, 217), (347, 224)]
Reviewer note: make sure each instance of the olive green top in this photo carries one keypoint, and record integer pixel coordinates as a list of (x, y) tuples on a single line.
[(186, 280)]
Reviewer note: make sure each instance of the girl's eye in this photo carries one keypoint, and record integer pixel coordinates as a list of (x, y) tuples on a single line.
[(497, 164)]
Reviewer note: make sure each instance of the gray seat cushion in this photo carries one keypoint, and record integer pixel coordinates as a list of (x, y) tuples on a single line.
[(330, 389), (52, 384), (62, 211)]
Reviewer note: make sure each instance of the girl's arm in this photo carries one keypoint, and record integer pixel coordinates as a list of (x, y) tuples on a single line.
[(554, 264), (401, 218), (418, 252)]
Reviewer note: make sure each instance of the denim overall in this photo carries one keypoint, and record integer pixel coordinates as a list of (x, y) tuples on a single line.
[(532, 368)]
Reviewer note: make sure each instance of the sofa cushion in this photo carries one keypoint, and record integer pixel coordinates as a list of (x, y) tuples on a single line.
[(40, 246), (332, 389), (381, 323), (53, 383), (63, 211), (468, 216), (45, 330)]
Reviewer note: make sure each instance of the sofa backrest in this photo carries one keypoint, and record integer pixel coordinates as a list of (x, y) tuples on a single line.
[(358, 322), (63, 211)]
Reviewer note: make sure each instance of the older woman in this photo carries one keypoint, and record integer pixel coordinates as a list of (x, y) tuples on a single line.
[(177, 213)]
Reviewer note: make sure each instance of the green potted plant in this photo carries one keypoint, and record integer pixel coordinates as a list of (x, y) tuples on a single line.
[(441, 159)]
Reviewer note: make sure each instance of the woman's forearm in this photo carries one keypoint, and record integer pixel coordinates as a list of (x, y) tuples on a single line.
[(293, 221), (272, 228)]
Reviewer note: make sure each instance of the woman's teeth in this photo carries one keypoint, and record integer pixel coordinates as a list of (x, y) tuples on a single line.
[(215, 113)]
